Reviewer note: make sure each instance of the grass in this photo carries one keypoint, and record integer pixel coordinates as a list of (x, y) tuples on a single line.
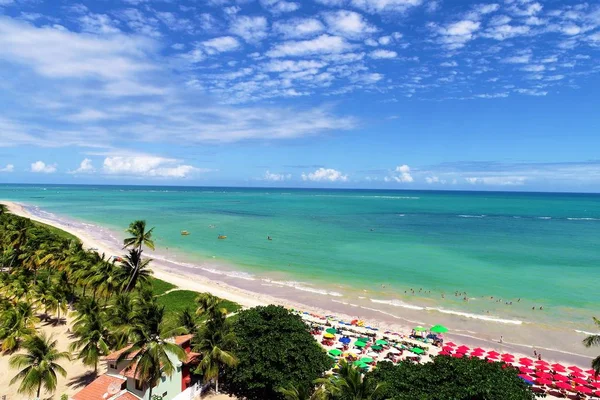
[(56, 231), (179, 300), (160, 287)]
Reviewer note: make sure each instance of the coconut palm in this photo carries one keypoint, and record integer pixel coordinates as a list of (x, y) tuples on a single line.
[(594, 340), (137, 268), (39, 365), (120, 316), (16, 323), (350, 384), (208, 304), (3, 210), (187, 320), (139, 236), (215, 340), (92, 338), (293, 392), (151, 353)]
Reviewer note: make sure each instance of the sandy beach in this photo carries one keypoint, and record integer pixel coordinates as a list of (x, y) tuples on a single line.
[(250, 293)]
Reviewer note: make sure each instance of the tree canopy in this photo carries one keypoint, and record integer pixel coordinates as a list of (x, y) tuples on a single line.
[(274, 350), (450, 378)]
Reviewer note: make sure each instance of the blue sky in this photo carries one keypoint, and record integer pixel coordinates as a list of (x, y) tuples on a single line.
[(405, 94)]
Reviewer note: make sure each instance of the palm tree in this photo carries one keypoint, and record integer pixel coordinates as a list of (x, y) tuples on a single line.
[(137, 268), (140, 236), (39, 364), (215, 340), (293, 392), (350, 384), (208, 304), (3, 209), (17, 322), (594, 340), (151, 352), (92, 339), (121, 316), (187, 320)]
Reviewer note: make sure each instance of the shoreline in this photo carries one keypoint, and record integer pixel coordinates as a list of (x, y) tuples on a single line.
[(250, 292)]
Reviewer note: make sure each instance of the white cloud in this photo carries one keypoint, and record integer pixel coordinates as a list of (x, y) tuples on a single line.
[(457, 34), (324, 44), (348, 24), (401, 174), (251, 29), (147, 166), (385, 6), (269, 176), (279, 6), (449, 64), (221, 44), (503, 32), (8, 168), (518, 59), (325, 174), (381, 53), (41, 167), (299, 27), (533, 68), (497, 180), (532, 92), (529, 10), (487, 8), (86, 167)]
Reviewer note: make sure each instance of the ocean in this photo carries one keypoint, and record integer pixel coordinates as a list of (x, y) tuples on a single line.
[(491, 257)]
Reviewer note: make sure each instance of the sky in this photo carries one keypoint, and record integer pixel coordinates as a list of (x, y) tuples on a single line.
[(394, 94)]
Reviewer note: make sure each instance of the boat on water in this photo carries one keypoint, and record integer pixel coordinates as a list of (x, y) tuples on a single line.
[(184, 233), (222, 237)]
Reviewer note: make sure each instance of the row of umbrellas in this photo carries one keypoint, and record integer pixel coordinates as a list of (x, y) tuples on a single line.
[(434, 329)]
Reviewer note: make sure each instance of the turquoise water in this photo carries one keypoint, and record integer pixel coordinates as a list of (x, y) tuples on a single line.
[(543, 249)]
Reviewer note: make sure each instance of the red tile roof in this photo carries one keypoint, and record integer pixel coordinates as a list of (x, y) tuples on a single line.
[(115, 355), (193, 358), (99, 387), (127, 396), (179, 340)]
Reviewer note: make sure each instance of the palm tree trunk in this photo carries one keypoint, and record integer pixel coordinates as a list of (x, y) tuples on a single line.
[(217, 383), (39, 389), (150, 393)]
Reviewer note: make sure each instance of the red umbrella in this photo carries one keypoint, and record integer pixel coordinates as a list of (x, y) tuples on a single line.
[(492, 352), (526, 377), (541, 362), (542, 367), (480, 350), (590, 372), (543, 375), (558, 367), (583, 389), (492, 356), (507, 356), (575, 368), (525, 370), (447, 348), (463, 349), (563, 385), (560, 378), (444, 353), (458, 355), (450, 344), (577, 374), (596, 385), (525, 361), (547, 382), (580, 381), (597, 393)]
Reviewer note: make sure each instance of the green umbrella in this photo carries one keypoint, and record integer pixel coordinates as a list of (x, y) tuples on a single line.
[(331, 330), (360, 364), (376, 347), (335, 352), (417, 350), (358, 343), (439, 329), (381, 342), (419, 329), (363, 339), (366, 360)]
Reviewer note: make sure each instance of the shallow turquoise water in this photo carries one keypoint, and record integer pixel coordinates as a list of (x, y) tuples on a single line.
[(540, 248)]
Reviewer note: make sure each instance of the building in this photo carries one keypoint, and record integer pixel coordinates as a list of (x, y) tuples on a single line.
[(120, 383)]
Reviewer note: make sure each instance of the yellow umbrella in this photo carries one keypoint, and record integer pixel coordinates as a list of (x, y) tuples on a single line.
[(328, 336)]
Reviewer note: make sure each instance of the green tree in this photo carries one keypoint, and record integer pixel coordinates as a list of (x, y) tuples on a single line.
[(121, 315), (215, 342), (92, 338), (275, 350), (137, 269), (293, 392), (594, 340), (39, 365), (187, 320), (450, 378), (149, 355), (16, 323), (349, 384), (139, 236), (210, 306)]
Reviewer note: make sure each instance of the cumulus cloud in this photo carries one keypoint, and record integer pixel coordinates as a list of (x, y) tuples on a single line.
[(85, 167), (348, 24), (323, 44), (325, 174), (503, 32), (42, 168), (147, 166), (381, 53), (251, 29), (8, 168), (299, 27), (457, 34), (221, 44), (385, 6), (401, 174), (279, 6), (273, 177), (497, 180)]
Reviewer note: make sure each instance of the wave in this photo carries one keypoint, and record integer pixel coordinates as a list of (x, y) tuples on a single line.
[(345, 303), (370, 197), (583, 219), (398, 303), (476, 316), (543, 217), (231, 274), (586, 332), (472, 216), (303, 287)]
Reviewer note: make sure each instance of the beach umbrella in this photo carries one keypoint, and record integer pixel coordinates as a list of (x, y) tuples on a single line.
[(345, 340), (328, 336), (333, 331), (360, 364), (597, 393), (394, 350), (574, 368), (507, 357), (596, 385), (377, 347), (492, 356), (358, 343), (560, 378), (577, 374), (479, 350), (525, 361), (444, 353), (381, 342), (417, 350), (582, 389), (366, 360), (542, 367), (335, 352), (590, 372), (438, 329), (447, 348), (525, 370), (558, 367), (419, 329), (450, 344), (363, 339), (580, 381), (563, 385), (543, 375), (543, 382), (458, 355), (492, 353), (541, 362), (526, 378)]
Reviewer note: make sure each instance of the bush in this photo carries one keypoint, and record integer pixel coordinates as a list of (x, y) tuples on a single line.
[(275, 350)]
